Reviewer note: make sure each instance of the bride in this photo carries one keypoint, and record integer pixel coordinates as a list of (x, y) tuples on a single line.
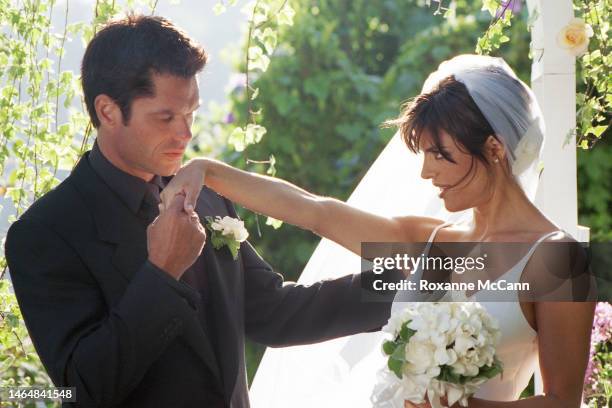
[(480, 131)]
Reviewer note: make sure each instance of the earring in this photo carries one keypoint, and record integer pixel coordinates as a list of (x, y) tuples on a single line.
[(496, 160)]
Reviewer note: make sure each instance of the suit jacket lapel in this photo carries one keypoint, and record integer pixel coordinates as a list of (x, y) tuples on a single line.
[(224, 281), (117, 225)]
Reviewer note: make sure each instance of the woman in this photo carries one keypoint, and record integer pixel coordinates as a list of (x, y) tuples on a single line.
[(480, 130)]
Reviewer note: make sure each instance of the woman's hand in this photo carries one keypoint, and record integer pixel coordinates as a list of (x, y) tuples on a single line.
[(187, 181)]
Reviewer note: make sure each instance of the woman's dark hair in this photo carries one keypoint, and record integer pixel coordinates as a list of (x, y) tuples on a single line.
[(447, 107), (122, 56)]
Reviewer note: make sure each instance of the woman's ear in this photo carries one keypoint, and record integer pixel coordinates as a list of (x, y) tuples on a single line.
[(108, 112), (494, 150)]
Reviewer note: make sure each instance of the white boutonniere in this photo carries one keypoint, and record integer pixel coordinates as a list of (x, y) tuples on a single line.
[(227, 231)]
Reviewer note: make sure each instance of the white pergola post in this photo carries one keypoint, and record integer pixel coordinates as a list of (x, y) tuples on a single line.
[(553, 80)]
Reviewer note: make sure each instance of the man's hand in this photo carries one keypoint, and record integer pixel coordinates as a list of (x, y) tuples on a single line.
[(175, 239)]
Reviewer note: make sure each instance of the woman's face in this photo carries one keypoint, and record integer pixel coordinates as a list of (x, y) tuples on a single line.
[(461, 186)]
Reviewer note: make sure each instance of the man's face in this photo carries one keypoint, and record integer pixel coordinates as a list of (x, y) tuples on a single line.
[(159, 129)]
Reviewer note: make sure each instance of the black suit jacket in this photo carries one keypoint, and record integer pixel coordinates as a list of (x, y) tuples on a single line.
[(125, 334)]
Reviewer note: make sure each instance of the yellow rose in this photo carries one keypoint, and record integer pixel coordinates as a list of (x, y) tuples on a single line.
[(574, 37)]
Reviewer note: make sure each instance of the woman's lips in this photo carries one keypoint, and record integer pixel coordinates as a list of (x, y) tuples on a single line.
[(443, 190)]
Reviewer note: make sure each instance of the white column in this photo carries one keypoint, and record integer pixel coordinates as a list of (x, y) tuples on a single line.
[(553, 79)]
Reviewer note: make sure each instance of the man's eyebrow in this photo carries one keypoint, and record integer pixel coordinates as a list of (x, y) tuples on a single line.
[(170, 112), (163, 112)]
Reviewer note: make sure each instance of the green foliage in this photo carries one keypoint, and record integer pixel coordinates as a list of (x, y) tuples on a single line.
[(494, 37), (19, 364), (594, 96), (601, 397), (594, 186)]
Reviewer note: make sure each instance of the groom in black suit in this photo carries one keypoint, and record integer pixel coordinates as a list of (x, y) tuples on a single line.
[(131, 306)]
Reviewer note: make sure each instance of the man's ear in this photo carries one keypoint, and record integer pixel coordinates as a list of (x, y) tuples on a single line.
[(108, 112), (494, 150)]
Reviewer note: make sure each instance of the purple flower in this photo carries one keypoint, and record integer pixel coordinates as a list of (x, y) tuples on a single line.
[(514, 6), (229, 118), (602, 323), (601, 333)]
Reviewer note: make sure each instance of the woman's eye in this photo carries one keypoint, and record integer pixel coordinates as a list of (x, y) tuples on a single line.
[(167, 119), (438, 155)]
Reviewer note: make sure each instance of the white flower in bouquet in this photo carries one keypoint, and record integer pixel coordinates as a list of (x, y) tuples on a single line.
[(437, 350)]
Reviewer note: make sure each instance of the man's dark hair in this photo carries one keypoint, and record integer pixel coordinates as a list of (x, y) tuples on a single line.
[(121, 58)]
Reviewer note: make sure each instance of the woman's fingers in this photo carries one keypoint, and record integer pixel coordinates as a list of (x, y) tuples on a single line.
[(190, 200)]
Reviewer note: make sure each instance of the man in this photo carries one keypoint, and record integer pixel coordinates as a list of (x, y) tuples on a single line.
[(141, 313)]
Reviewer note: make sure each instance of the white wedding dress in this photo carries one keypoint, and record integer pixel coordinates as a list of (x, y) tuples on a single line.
[(517, 350)]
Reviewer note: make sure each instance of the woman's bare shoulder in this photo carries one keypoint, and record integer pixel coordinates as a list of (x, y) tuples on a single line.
[(416, 228)]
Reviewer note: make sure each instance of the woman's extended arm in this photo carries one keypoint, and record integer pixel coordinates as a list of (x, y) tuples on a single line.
[(327, 217)]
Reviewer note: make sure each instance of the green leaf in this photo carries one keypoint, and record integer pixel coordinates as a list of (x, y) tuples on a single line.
[(396, 367), (491, 6), (447, 374), (261, 13), (255, 94), (490, 371), (400, 352), (274, 223), (234, 247), (217, 240), (219, 9), (254, 133), (388, 347), (268, 38), (238, 139), (272, 163), (285, 16), (257, 59), (597, 131), (406, 332)]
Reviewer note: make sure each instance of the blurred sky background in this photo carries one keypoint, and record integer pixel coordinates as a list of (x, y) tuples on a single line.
[(196, 17)]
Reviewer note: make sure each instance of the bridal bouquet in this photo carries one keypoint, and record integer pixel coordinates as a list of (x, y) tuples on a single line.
[(437, 350)]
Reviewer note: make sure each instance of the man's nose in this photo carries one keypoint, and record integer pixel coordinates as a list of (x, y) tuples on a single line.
[(184, 130)]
